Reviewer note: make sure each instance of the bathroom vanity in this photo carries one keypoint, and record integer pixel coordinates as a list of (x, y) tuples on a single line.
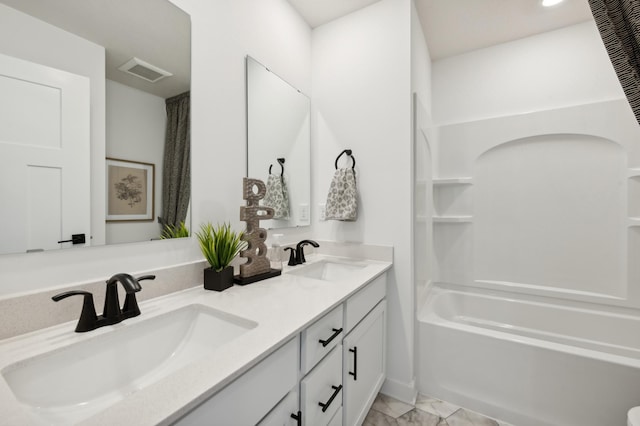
[(307, 347), (340, 357)]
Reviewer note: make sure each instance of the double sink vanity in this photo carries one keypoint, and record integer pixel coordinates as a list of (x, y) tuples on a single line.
[(304, 348)]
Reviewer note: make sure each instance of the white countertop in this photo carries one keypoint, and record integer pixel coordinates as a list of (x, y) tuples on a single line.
[(281, 306)]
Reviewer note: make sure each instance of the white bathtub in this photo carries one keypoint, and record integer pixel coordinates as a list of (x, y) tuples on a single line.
[(528, 362)]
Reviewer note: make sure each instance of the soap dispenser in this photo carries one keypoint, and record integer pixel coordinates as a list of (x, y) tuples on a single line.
[(277, 254)]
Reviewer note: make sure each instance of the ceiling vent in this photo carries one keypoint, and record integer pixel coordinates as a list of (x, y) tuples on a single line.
[(144, 70)]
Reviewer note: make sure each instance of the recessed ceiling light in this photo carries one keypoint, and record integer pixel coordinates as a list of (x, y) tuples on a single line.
[(549, 3)]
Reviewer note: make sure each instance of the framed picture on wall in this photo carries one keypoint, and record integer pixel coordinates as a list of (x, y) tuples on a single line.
[(130, 190)]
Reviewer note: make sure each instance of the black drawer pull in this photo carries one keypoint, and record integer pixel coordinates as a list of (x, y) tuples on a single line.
[(336, 332), (336, 391), (354, 373), (297, 418)]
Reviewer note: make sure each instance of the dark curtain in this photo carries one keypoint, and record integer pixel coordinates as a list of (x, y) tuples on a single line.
[(619, 25), (176, 170)]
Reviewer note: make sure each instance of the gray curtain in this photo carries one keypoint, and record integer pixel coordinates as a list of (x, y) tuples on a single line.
[(176, 170), (619, 25)]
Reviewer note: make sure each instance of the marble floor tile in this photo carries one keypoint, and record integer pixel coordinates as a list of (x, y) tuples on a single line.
[(390, 406), (376, 418), (435, 406), (464, 417), (418, 418)]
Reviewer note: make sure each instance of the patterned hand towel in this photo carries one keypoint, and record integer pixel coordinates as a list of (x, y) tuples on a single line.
[(342, 201), (277, 197)]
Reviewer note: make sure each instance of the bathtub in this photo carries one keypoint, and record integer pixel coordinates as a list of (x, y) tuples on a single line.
[(528, 361)]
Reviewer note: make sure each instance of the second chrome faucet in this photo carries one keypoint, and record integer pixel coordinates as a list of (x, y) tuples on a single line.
[(112, 313)]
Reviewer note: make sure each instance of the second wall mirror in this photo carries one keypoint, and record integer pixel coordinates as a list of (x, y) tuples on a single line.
[(279, 145)]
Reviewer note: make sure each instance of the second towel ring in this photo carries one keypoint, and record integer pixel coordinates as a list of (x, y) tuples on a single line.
[(349, 154), (281, 162)]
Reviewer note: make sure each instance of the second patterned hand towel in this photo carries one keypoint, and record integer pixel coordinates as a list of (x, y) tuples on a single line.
[(342, 201)]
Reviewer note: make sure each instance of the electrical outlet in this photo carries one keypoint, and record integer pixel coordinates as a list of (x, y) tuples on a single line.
[(304, 212), (322, 211)]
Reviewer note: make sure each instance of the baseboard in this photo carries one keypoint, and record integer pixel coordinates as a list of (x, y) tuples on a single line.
[(405, 392)]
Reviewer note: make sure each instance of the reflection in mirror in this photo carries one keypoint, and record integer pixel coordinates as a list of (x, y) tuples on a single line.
[(68, 102), (279, 145)]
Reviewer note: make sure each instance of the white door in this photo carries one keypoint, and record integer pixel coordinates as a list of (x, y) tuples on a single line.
[(44, 156)]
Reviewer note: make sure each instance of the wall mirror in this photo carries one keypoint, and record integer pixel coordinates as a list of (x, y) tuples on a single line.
[(279, 145), (120, 62)]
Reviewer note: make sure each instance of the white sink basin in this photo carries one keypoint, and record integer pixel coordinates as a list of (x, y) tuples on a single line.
[(328, 270), (75, 382)]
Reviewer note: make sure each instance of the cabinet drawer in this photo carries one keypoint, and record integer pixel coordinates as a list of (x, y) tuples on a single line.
[(281, 414), (322, 386), (319, 338), (358, 305), (247, 399)]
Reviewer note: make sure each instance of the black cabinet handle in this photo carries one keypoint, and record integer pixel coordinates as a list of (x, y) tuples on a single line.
[(336, 391), (336, 332), (354, 373), (75, 239), (297, 418)]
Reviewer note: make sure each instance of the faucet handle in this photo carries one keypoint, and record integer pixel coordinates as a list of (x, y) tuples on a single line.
[(88, 319), (292, 256), (146, 277), (130, 308)]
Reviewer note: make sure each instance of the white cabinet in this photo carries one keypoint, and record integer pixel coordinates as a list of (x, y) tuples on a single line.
[(250, 397), (364, 365)]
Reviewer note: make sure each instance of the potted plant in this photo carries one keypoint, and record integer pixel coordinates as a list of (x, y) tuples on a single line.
[(219, 245)]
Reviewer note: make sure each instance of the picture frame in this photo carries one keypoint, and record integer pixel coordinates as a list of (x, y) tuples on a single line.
[(130, 190)]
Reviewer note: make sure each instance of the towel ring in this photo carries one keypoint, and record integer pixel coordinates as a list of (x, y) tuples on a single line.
[(348, 152), (281, 162)]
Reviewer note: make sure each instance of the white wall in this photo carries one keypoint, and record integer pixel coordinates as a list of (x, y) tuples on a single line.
[(362, 101), (560, 68), (136, 127), (420, 62), (423, 150), (24, 37)]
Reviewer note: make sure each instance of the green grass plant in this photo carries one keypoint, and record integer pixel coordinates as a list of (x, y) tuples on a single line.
[(171, 231), (219, 244)]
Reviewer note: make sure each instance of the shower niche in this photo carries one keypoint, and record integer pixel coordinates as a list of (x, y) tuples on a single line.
[(546, 203)]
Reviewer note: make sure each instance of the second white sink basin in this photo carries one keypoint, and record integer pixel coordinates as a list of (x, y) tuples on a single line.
[(328, 270), (75, 382)]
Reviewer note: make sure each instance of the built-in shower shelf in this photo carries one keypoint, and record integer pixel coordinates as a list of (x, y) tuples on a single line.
[(453, 181), (634, 221), (452, 219), (632, 173)]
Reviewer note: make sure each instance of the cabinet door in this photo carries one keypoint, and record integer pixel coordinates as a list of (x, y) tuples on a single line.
[(247, 399), (281, 415), (364, 365)]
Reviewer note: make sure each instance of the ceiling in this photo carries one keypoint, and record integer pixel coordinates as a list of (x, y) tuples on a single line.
[(126, 29), (453, 27)]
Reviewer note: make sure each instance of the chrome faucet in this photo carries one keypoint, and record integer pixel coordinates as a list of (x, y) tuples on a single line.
[(297, 256), (112, 313)]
